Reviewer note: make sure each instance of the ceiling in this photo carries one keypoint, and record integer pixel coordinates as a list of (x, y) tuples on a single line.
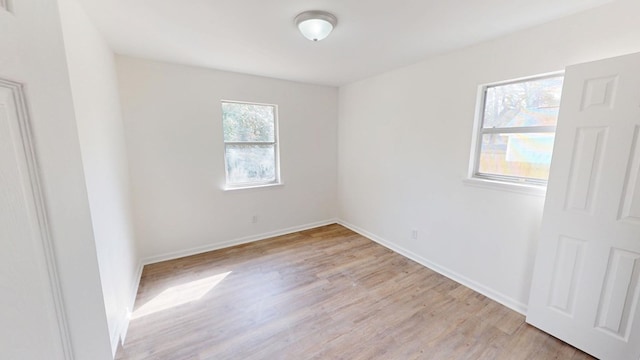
[(259, 36)]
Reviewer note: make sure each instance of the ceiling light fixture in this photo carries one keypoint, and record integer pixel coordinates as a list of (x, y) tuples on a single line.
[(316, 25)]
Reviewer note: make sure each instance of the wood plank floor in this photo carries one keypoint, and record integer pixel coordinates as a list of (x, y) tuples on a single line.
[(325, 293)]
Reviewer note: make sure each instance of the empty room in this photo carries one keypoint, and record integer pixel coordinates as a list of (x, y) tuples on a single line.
[(211, 179)]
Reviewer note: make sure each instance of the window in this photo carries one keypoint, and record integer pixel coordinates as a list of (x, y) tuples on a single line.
[(516, 130), (250, 144)]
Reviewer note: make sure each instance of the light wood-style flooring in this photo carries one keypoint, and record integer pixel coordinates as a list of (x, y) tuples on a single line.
[(325, 293)]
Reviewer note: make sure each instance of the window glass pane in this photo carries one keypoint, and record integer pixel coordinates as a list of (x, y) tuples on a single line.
[(248, 122), (250, 164), (527, 103), (521, 155)]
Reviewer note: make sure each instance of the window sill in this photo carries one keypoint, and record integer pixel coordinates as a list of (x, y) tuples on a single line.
[(506, 186), (252, 187)]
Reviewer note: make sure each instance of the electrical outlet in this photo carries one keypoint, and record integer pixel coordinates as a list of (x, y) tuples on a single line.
[(254, 219), (414, 234)]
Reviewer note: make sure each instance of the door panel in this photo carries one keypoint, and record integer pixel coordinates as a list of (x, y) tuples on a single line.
[(32, 320), (586, 283), (27, 304), (619, 293), (630, 209)]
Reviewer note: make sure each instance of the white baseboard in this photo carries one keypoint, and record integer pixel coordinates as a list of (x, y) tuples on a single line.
[(234, 242), (126, 318), (473, 285)]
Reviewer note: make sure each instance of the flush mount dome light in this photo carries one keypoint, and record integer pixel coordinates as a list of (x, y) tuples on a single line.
[(316, 25)]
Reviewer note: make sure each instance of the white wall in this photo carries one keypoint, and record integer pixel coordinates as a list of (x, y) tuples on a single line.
[(404, 143), (173, 125), (101, 132), (32, 53)]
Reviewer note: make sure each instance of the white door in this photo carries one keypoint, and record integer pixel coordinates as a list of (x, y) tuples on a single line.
[(586, 282), (32, 322)]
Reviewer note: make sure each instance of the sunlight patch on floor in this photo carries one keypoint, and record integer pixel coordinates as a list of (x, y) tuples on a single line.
[(179, 295)]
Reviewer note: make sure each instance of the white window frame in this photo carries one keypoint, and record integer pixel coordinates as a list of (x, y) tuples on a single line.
[(503, 182), (257, 184)]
